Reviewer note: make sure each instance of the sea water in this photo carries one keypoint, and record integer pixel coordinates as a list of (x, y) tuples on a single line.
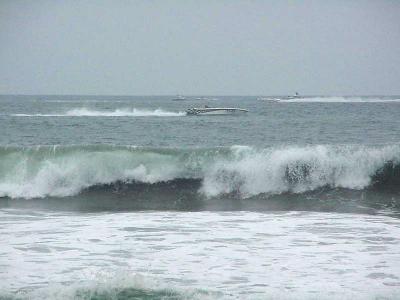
[(121, 197)]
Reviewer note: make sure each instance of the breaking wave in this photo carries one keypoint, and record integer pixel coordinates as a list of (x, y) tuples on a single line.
[(60, 171), (84, 112), (122, 286)]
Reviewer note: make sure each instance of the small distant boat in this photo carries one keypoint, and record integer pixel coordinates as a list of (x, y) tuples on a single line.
[(206, 99), (179, 98), (215, 111), (295, 96)]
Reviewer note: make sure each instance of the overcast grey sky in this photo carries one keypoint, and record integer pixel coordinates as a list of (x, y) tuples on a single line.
[(199, 47)]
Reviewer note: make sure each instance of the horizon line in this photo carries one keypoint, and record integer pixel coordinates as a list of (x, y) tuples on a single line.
[(202, 95)]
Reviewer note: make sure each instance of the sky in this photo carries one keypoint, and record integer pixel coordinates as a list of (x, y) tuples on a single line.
[(205, 47)]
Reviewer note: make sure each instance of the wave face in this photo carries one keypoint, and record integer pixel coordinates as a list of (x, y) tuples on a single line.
[(38, 172), (85, 112)]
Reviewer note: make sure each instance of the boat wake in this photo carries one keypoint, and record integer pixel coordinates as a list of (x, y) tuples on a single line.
[(336, 99), (85, 112)]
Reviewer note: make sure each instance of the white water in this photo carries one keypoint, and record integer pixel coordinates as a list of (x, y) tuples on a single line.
[(240, 255), (338, 99), (244, 170), (126, 112), (67, 174), (254, 172)]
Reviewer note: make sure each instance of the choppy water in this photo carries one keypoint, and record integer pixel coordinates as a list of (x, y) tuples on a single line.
[(124, 197)]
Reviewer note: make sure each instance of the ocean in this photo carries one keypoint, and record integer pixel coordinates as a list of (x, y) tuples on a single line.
[(127, 197)]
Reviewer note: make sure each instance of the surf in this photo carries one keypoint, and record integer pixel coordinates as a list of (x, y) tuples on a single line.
[(61, 171)]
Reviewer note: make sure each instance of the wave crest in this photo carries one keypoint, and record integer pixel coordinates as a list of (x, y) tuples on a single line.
[(298, 169), (65, 171)]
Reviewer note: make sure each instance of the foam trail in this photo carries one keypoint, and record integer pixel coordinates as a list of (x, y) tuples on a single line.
[(85, 112), (338, 99)]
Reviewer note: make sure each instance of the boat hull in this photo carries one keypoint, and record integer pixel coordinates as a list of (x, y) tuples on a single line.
[(215, 111)]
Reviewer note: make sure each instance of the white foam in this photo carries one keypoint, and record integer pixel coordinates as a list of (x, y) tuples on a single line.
[(85, 112), (241, 255), (68, 174), (41, 172), (340, 100), (295, 169)]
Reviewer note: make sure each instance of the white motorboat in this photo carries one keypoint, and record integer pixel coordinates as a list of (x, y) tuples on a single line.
[(215, 111), (295, 96)]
